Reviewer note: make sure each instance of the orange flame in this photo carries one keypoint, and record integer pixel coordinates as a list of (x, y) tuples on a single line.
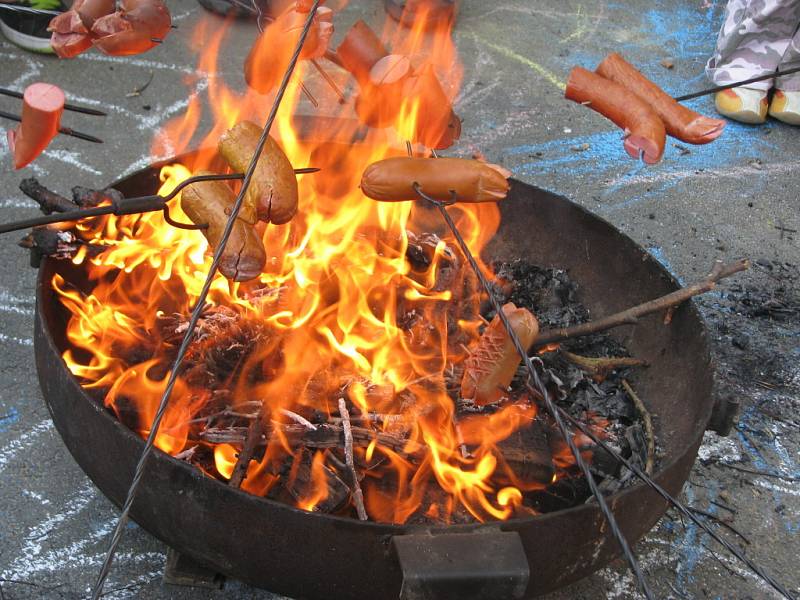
[(335, 282)]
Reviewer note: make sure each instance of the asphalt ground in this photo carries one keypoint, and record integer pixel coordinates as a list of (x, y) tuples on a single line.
[(737, 197)]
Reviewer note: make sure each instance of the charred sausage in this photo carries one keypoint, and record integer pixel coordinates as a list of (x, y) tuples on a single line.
[(645, 135), (680, 122), (272, 195), (393, 179), (210, 202), (42, 105), (491, 366)]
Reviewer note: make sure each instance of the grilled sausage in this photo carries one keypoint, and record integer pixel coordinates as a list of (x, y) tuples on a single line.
[(681, 122), (491, 366), (42, 105), (360, 50), (272, 194), (393, 179), (132, 29), (210, 202), (645, 135)]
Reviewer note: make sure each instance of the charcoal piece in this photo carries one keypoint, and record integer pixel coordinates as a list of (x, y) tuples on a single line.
[(49, 202), (88, 198)]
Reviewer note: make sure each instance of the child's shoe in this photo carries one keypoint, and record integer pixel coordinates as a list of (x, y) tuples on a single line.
[(785, 107), (742, 104)]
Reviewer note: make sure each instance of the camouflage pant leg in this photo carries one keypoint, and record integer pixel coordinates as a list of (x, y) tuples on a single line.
[(755, 36)]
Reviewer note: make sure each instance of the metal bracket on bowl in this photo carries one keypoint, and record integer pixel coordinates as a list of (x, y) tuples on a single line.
[(723, 415), (462, 566)]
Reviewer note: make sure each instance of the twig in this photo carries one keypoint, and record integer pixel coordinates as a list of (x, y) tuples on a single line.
[(648, 426), (358, 496), (716, 519), (600, 366), (757, 472), (720, 561), (47, 200), (138, 91), (300, 420), (254, 433), (631, 315)]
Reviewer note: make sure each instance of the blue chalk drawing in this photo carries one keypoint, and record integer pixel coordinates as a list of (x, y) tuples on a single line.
[(8, 418)]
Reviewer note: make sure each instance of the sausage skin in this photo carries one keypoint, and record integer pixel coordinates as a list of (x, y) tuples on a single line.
[(491, 366), (360, 50), (680, 122), (392, 179), (645, 134), (42, 105), (272, 194), (132, 28), (210, 202)]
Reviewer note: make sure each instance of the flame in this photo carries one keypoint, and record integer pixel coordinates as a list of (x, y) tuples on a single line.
[(335, 281)]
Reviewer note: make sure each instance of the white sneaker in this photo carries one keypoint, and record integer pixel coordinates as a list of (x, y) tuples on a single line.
[(746, 105), (785, 107)]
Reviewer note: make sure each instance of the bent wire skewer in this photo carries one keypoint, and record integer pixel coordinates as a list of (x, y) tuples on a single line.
[(131, 206), (559, 414)]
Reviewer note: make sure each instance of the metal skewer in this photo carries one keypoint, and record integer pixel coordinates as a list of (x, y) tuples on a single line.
[(728, 86), (67, 106), (62, 130), (197, 312), (130, 206), (539, 388)]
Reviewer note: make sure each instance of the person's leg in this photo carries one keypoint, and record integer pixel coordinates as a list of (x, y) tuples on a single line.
[(754, 36), (785, 105)]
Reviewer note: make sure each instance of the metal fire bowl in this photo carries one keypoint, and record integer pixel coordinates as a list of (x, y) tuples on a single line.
[(312, 555)]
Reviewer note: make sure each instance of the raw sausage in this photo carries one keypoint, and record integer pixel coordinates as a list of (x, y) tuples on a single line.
[(132, 29), (42, 105), (267, 60), (393, 179), (210, 202), (272, 194), (360, 50), (645, 134), (491, 366), (681, 122)]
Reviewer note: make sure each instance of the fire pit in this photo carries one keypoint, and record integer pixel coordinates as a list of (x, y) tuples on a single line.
[(299, 553)]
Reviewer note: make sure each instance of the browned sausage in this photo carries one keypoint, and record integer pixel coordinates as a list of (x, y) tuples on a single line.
[(360, 50), (210, 202), (393, 179), (680, 122), (132, 29), (645, 135), (491, 366), (272, 194), (42, 105)]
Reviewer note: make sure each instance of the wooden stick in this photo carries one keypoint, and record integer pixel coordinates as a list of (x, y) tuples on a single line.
[(358, 495), (601, 365), (254, 433), (648, 427), (631, 315)]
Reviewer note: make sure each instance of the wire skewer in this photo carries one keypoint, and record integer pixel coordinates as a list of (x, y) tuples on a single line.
[(728, 86), (141, 465), (130, 206), (67, 106), (539, 388), (62, 130)]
